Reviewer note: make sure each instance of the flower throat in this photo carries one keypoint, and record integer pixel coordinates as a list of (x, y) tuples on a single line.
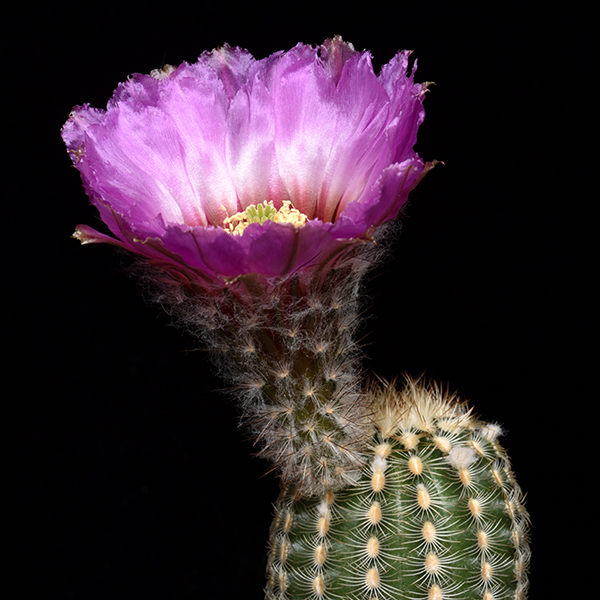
[(261, 212)]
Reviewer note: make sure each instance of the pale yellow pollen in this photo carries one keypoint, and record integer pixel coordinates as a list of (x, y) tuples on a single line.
[(409, 440), (486, 571), (415, 465), (429, 533), (475, 507), (284, 551), (442, 444), (320, 554), (373, 547), (435, 593), (372, 578), (318, 585), (423, 497), (483, 540), (261, 212), (432, 563), (465, 477), (383, 450), (374, 514)]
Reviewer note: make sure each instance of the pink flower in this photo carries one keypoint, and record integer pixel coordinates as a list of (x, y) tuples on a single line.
[(178, 152)]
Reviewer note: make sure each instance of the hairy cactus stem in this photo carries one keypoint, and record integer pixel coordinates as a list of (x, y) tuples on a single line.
[(287, 349)]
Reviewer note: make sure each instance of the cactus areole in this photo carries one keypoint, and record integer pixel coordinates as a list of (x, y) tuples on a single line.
[(253, 193)]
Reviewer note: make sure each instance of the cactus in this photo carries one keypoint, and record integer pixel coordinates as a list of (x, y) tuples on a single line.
[(385, 494), (256, 194), (436, 515)]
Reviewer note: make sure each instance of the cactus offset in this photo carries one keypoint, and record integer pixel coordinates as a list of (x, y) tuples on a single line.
[(436, 515)]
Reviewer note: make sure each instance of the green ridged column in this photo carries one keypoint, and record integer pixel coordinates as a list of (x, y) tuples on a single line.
[(436, 515)]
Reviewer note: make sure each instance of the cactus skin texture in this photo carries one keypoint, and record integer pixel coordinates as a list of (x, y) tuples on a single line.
[(436, 515)]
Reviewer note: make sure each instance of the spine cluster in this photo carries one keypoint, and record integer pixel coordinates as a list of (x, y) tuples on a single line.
[(288, 351), (436, 515)]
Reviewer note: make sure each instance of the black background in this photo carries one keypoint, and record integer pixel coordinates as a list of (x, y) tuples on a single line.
[(126, 474)]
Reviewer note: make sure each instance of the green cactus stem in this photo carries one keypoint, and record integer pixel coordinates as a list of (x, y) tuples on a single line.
[(436, 515)]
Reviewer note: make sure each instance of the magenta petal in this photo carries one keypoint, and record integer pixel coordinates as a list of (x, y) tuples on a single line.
[(208, 248), (335, 53), (389, 194), (271, 248), (316, 243), (88, 235), (231, 65), (407, 105), (279, 249), (250, 149)]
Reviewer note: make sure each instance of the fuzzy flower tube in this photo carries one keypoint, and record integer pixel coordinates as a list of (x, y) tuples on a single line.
[(254, 193)]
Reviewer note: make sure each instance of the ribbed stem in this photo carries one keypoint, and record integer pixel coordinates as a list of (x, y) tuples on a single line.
[(287, 349), (437, 514)]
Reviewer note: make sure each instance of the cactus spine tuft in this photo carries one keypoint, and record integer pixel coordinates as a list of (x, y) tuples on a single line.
[(436, 514)]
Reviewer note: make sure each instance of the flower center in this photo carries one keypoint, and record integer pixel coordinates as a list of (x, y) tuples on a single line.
[(259, 213)]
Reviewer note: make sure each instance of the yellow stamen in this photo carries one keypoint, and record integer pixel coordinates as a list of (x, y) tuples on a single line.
[(261, 212)]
